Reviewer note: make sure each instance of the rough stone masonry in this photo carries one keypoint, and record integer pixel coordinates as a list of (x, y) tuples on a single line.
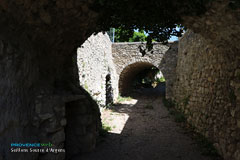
[(204, 82), (207, 90), (38, 40), (98, 58), (129, 61), (95, 63)]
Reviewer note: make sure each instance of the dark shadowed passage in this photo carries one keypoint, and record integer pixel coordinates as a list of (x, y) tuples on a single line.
[(141, 75)]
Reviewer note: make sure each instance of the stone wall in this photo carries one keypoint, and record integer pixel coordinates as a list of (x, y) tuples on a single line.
[(37, 43), (127, 53), (95, 63), (129, 61), (68, 122), (207, 90), (98, 57), (39, 38), (168, 67), (42, 118)]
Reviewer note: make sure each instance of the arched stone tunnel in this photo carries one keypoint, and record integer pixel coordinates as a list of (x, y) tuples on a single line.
[(129, 73), (129, 61), (38, 41)]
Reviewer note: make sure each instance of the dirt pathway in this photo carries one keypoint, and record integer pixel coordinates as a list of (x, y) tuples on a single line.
[(143, 130)]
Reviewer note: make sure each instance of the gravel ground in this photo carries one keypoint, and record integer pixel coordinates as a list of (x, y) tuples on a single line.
[(143, 130)]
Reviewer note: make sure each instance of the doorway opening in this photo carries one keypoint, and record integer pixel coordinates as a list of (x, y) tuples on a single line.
[(141, 76)]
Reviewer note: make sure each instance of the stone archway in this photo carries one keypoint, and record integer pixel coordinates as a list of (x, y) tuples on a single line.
[(129, 73), (128, 61)]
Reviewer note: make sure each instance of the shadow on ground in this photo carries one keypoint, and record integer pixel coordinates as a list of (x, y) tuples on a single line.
[(148, 134)]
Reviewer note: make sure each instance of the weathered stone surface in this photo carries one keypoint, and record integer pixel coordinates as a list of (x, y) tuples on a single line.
[(58, 137), (51, 120), (94, 64), (88, 142), (77, 124), (45, 116), (63, 122), (121, 61), (37, 43), (39, 38), (219, 25), (206, 88), (168, 67), (127, 53), (129, 61)]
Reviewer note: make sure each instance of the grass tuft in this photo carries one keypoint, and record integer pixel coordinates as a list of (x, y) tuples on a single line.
[(104, 130), (122, 99)]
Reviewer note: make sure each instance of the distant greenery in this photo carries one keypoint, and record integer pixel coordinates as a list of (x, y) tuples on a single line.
[(158, 18), (122, 99), (122, 36), (138, 37), (161, 79)]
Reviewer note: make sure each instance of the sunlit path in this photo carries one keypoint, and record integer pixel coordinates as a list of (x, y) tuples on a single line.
[(141, 129)]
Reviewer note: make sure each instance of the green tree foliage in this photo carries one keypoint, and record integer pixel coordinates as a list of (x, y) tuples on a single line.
[(123, 36), (158, 18), (138, 37)]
